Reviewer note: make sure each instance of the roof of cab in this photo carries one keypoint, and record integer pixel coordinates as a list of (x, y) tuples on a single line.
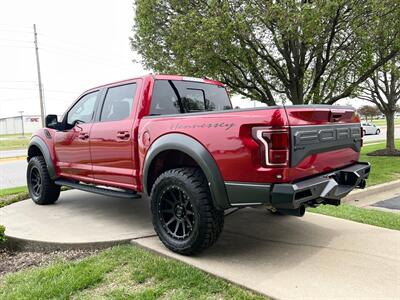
[(161, 77)]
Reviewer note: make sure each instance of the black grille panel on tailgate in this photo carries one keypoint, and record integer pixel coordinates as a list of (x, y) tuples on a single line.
[(308, 140)]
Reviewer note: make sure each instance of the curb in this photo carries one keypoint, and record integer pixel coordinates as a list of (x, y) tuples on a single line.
[(19, 244), (373, 189), (154, 251)]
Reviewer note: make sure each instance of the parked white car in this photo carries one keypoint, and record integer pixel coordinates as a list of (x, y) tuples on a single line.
[(369, 128)]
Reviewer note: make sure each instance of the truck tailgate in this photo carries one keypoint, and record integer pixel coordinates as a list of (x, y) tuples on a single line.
[(322, 138)]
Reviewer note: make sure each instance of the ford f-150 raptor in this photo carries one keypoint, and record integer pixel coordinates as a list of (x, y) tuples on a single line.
[(178, 140)]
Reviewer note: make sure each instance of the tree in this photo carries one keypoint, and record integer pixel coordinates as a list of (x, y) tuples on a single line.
[(368, 111), (302, 51), (383, 89)]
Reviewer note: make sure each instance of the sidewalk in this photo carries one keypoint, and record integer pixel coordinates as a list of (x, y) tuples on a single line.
[(382, 197)]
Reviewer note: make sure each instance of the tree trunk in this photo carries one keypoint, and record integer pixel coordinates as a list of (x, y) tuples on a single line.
[(390, 146)]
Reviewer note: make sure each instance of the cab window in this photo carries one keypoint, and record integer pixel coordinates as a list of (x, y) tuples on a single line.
[(118, 103), (83, 110)]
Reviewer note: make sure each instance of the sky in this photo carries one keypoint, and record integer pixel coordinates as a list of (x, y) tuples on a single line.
[(82, 44)]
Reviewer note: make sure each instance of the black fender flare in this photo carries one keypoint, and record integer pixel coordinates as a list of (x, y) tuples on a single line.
[(191, 147), (39, 143)]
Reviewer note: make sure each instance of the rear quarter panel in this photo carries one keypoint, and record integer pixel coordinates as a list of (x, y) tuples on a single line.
[(226, 135)]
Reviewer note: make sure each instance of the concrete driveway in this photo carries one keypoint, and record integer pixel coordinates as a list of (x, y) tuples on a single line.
[(314, 257)]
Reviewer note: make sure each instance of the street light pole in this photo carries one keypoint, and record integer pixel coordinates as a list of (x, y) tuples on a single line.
[(39, 76), (22, 123)]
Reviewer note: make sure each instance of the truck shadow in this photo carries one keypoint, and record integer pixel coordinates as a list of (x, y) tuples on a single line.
[(254, 237)]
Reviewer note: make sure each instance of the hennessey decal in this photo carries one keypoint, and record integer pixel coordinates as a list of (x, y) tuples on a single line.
[(227, 126)]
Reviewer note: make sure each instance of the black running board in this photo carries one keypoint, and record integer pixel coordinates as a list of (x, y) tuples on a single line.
[(98, 190)]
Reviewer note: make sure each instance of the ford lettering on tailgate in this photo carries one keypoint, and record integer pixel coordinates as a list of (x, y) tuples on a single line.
[(308, 140)]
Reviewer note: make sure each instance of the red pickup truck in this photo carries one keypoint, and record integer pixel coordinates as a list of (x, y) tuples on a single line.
[(178, 140)]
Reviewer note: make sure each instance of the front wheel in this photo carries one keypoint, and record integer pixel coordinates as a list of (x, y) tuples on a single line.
[(41, 188), (184, 217)]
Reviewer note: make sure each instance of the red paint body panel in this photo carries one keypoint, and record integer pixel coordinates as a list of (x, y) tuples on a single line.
[(227, 135), (73, 152)]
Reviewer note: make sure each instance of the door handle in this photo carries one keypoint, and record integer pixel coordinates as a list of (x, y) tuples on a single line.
[(123, 135), (83, 135)]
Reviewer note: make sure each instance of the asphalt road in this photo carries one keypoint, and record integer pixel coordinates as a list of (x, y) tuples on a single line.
[(12, 153), (12, 173), (382, 135)]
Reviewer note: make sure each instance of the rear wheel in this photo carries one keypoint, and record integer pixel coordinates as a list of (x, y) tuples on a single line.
[(378, 131), (41, 188), (183, 214)]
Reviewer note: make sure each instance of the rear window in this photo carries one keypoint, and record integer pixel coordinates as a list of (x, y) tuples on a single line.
[(177, 96)]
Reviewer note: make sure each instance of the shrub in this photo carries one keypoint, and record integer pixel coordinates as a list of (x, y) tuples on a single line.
[(2, 234)]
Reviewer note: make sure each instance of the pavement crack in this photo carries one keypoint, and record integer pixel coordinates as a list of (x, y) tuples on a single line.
[(144, 237)]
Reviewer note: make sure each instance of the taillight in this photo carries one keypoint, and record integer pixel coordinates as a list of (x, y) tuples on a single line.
[(274, 144)]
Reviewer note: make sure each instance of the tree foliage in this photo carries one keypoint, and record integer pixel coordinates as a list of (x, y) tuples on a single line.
[(368, 111), (302, 51)]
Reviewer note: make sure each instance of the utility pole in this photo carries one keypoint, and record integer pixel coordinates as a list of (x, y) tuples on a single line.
[(22, 122), (39, 77)]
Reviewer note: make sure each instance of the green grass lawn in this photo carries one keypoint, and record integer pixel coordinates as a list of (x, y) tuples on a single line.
[(382, 122), (17, 143), (123, 272), (384, 169), (13, 191), (360, 215), (17, 135), (12, 195)]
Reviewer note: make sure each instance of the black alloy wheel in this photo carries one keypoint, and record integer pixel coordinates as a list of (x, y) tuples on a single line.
[(35, 182), (176, 213)]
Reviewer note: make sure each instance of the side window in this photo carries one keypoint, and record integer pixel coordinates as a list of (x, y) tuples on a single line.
[(164, 100), (83, 110), (118, 103), (178, 96)]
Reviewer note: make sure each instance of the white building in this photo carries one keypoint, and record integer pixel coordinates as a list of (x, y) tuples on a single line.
[(13, 125)]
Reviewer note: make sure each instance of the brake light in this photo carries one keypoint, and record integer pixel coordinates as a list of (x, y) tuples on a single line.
[(274, 145)]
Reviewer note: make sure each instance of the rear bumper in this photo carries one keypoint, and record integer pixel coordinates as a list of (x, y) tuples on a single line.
[(328, 188)]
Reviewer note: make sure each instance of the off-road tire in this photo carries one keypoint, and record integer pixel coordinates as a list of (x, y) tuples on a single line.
[(49, 192), (208, 222)]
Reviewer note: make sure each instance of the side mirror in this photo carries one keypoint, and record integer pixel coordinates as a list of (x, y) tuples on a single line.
[(51, 121)]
